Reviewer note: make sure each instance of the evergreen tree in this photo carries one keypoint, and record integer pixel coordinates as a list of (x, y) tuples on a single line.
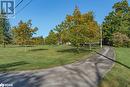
[(5, 34), (117, 21)]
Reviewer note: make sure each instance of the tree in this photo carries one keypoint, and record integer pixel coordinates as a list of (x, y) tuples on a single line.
[(5, 34), (51, 39), (117, 21), (61, 31), (37, 41), (23, 33), (84, 29)]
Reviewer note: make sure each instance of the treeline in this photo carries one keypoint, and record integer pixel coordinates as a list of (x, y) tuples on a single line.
[(77, 29), (81, 29), (116, 26), (22, 34)]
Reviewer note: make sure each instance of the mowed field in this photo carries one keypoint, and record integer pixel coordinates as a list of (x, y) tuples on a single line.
[(119, 76), (38, 57)]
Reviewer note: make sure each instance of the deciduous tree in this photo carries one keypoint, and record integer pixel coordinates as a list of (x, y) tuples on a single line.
[(84, 29), (51, 39), (23, 33)]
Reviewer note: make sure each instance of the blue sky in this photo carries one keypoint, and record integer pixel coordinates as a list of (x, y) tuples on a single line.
[(46, 14)]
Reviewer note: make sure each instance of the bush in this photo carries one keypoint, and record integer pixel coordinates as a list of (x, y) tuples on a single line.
[(128, 44), (120, 40)]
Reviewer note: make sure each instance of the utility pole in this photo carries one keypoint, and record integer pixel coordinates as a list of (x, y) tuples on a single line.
[(101, 36)]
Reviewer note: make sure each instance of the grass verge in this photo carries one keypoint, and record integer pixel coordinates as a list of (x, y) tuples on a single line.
[(119, 76)]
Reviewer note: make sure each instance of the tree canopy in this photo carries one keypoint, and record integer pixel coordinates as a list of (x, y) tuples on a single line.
[(84, 29), (23, 33), (5, 34), (117, 21)]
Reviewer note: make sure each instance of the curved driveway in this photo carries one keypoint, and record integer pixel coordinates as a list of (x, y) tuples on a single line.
[(86, 73)]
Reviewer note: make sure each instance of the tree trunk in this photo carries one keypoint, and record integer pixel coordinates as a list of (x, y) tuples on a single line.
[(90, 46), (4, 45)]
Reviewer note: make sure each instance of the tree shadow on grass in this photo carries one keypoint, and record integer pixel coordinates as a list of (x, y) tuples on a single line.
[(74, 50), (39, 49), (16, 46), (9, 66), (73, 76)]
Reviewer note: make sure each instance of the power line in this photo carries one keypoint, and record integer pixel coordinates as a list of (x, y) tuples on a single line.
[(18, 3), (23, 7)]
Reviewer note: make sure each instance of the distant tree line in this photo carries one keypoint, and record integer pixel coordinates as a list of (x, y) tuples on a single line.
[(78, 29)]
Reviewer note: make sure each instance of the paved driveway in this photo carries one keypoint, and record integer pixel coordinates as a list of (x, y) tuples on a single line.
[(86, 73)]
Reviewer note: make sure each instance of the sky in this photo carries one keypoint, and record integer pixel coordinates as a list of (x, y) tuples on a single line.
[(46, 14)]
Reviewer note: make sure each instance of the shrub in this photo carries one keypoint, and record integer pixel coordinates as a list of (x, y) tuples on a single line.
[(120, 40), (128, 44)]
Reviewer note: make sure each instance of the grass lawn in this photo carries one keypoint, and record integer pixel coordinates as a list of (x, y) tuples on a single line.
[(119, 76), (39, 57)]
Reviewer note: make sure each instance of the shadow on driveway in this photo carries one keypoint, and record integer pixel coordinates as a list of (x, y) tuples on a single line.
[(10, 66)]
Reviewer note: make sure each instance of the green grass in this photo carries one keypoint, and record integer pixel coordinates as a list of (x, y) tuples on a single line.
[(119, 76), (39, 57)]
